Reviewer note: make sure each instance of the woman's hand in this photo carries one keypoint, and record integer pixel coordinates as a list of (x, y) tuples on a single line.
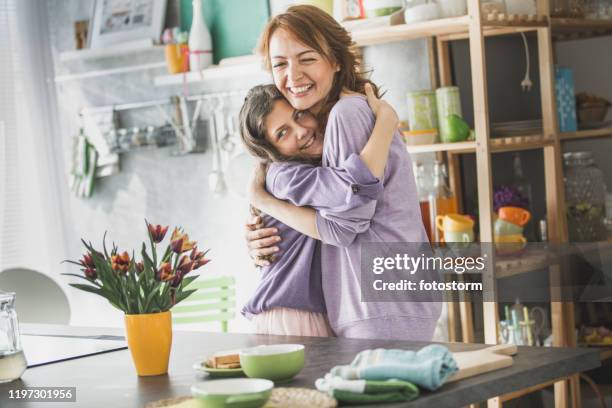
[(261, 241), (382, 110)]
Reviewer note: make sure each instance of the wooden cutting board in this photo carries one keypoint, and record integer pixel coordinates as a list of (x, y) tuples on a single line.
[(482, 361)]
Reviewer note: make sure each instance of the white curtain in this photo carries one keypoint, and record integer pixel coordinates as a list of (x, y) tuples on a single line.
[(31, 208)]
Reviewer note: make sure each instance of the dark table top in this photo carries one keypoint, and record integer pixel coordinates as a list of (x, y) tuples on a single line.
[(109, 380)]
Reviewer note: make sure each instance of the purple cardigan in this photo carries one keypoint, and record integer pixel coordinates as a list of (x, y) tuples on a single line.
[(294, 278)]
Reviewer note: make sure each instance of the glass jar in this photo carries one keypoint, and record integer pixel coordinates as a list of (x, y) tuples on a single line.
[(448, 103), (12, 360), (422, 111), (585, 198)]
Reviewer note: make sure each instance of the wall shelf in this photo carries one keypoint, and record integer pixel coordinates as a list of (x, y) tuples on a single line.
[(586, 134), (498, 145), (577, 28), (453, 27), (216, 72), (118, 50), (105, 72)]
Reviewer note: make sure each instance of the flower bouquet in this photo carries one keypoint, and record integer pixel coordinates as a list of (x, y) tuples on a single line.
[(144, 290)]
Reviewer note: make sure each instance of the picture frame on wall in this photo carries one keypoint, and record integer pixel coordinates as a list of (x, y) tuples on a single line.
[(121, 21)]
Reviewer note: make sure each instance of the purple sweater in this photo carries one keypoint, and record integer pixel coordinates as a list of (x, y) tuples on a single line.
[(395, 217), (351, 209), (294, 278)]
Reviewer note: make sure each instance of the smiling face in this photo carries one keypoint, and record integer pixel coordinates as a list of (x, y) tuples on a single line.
[(303, 75), (293, 132)]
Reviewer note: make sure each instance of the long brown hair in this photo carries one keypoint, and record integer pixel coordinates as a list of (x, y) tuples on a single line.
[(257, 105), (318, 30)]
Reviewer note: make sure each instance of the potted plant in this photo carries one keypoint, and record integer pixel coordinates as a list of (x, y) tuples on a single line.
[(144, 290)]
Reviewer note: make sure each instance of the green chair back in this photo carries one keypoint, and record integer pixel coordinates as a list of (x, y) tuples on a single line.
[(214, 301)]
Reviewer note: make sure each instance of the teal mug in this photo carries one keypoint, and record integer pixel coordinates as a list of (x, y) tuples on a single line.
[(503, 227)]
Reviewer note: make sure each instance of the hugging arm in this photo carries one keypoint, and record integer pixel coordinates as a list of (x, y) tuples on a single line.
[(352, 182), (338, 192)]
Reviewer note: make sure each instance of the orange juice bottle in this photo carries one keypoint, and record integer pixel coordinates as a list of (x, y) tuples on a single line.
[(423, 192), (445, 200)]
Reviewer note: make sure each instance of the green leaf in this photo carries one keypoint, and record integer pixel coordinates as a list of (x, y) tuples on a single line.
[(187, 280), (150, 296), (183, 295), (82, 277), (87, 288)]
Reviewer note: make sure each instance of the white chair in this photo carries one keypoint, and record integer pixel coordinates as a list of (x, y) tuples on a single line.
[(39, 299)]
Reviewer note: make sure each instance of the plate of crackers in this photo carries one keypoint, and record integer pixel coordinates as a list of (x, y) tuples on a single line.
[(221, 364)]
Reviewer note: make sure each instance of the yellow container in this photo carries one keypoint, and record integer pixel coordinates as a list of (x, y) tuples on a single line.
[(177, 58), (149, 338), (454, 223)]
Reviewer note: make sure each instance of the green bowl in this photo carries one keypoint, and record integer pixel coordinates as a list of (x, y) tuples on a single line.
[(234, 393), (276, 362)]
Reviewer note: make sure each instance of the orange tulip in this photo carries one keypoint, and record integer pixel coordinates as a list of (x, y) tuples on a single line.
[(139, 267), (164, 273), (185, 265), (180, 242), (120, 263), (89, 268), (157, 232)]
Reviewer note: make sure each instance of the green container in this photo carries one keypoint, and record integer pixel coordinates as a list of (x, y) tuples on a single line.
[(276, 362), (379, 8), (422, 110), (235, 393), (379, 12), (448, 103)]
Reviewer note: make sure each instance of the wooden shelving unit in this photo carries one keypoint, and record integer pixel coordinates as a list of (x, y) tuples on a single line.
[(586, 134), (452, 28), (475, 27), (574, 29), (498, 145)]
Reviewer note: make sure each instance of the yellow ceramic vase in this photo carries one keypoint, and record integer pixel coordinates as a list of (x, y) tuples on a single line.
[(149, 338)]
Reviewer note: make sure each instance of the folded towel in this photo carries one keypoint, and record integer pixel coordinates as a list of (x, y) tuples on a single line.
[(429, 367), (367, 391)]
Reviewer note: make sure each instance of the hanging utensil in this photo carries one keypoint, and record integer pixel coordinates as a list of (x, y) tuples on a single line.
[(227, 143), (216, 179)]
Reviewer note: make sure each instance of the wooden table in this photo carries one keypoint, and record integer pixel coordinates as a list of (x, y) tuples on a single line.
[(109, 380)]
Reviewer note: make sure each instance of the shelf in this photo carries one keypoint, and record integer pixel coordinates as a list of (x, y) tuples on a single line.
[(216, 72), (459, 147), (105, 72), (606, 353), (506, 267), (498, 145), (577, 28), (109, 52), (449, 28), (586, 134)]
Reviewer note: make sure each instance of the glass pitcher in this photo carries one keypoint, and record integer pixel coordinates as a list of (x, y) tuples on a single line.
[(12, 359)]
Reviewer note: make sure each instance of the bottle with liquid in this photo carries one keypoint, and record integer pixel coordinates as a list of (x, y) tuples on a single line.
[(524, 187), (442, 200), (423, 193), (12, 359), (200, 42)]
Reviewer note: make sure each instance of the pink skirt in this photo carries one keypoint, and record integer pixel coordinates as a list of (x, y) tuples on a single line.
[(292, 322)]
